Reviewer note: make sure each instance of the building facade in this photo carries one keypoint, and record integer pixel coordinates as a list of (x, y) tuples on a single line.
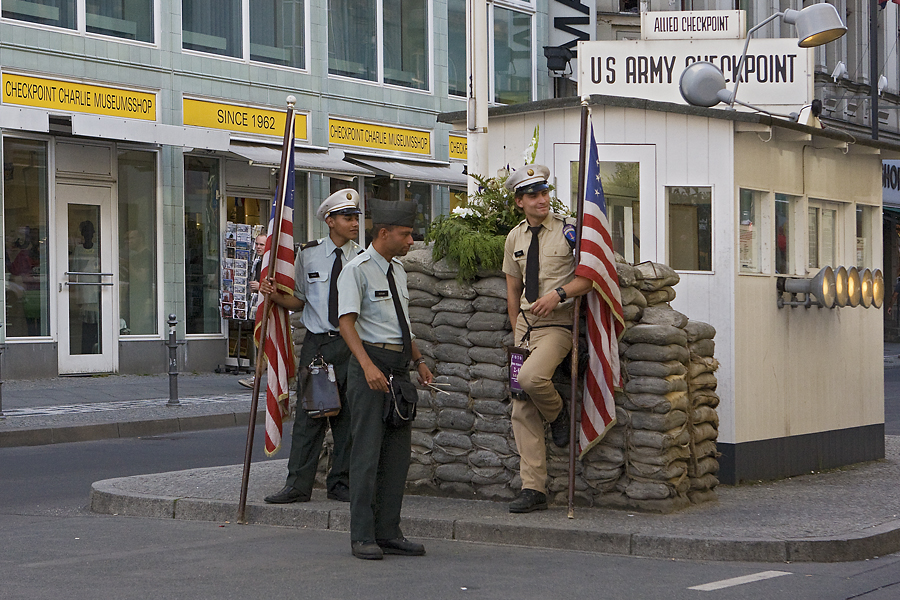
[(137, 134)]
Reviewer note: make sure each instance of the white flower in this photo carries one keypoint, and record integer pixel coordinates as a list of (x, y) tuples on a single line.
[(459, 211)]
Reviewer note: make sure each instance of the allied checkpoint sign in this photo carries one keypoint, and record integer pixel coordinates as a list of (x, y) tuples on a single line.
[(778, 74)]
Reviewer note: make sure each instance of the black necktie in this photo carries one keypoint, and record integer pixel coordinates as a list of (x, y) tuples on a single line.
[(401, 316), (532, 266), (332, 292)]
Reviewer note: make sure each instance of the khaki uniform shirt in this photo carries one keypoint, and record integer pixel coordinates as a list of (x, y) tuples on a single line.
[(557, 264)]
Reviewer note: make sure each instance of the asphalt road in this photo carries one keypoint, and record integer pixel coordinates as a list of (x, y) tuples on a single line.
[(55, 548)]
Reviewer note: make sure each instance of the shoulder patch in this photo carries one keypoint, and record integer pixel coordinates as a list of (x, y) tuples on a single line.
[(308, 245)]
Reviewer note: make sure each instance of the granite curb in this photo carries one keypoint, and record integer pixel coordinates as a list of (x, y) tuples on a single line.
[(124, 426), (740, 527)]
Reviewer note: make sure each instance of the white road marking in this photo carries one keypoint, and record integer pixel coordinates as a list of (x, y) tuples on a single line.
[(725, 583)]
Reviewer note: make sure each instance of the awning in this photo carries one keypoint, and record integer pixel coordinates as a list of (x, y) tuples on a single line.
[(438, 173), (317, 161)]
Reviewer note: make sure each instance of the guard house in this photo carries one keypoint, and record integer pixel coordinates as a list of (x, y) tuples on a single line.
[(734, 202)]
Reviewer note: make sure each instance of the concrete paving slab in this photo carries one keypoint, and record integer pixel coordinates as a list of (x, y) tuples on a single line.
[(847, 514)]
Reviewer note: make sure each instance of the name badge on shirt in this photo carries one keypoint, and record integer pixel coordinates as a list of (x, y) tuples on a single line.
[(519, 253), (381, 293), (313, 275)]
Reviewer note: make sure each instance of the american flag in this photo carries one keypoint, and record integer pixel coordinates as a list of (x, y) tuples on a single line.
[(279, 347), (605, 321)]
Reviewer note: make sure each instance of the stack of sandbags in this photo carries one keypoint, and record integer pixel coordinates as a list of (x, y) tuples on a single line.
[(704, 421)]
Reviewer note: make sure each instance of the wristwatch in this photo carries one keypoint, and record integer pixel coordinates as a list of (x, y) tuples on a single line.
[(562, 294)]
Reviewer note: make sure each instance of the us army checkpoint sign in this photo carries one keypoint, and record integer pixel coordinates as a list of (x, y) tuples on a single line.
[(778, 74)]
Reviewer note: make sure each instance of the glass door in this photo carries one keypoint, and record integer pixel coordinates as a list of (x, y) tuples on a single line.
[(87, 334)]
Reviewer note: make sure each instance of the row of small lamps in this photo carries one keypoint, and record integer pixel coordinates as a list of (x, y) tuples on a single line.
[(834, 289)]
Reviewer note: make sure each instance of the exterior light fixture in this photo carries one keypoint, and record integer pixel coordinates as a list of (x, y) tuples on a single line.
[(821, 287), (854, 289), (866, 283), (816, 25), (877, 288), (842, 285)]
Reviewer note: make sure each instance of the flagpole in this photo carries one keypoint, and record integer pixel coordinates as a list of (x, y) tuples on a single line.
[(287, 147), (579, 217)]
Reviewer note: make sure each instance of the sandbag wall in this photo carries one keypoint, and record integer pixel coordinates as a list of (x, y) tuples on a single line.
[(661, 454)]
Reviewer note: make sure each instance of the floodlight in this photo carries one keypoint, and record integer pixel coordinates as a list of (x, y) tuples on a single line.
[(853, 287), (821, 287), (842, 285), (877, 288), (865, 283)]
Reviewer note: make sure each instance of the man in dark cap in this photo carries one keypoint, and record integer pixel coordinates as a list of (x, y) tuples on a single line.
[(374, 309), (540, 282), (316, 270)]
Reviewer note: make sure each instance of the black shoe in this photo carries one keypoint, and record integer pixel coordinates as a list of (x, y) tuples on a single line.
[(401, 546), (559, 429), (366, 550), (528, 501), (286, 496), (339, 492)]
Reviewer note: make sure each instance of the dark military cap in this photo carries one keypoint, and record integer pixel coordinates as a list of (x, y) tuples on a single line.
[(387, 212)]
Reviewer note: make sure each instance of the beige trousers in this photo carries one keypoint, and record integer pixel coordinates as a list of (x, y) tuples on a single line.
[(548, 348)]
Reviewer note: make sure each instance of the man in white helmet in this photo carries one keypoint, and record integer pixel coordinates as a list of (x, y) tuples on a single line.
[(316, 267)]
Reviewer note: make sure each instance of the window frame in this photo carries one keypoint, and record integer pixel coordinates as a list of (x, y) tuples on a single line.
[(80, 28), (379, 54), (245, 42), (820, 206), (712, 230), (526, 8)]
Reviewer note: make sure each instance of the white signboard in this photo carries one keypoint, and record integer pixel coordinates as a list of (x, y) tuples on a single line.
[(890, 182), (778, 74), (571, 21), (693, 25)]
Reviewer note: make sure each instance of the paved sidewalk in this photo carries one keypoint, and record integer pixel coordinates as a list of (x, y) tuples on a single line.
[(847, 514), (76, 409)]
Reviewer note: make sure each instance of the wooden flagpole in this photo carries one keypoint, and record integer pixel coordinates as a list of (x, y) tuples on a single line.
[(579, 217), (286, 148)]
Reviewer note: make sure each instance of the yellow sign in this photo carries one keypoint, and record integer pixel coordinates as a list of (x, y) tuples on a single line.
[(381, 137), (458, 147), (245, 119), (78, 97)]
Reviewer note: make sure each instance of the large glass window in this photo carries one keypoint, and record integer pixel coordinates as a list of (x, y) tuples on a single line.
[(138, 314), (622, 191), (385, 188), (690, 228), (456, 47), (201, 244), (277, 33), (512, 56), (352, 44), (25, 198), (784, 207), (56, 13), (406, 43), (748, 232), (129, 19), (212, 26), (822, 237)]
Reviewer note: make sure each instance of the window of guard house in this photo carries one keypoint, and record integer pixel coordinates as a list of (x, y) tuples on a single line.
[(138, 296), (621, 190), (385, 188), (821, 223), (629, 6), (784, 206), (406, 43), (56, 13), (131, 19), (749, 231), (864, 237), (212, 26), (690, 227), (351, 39), (25, 198), (277, 32), (512, 56), (456, 47), (201, 245)]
